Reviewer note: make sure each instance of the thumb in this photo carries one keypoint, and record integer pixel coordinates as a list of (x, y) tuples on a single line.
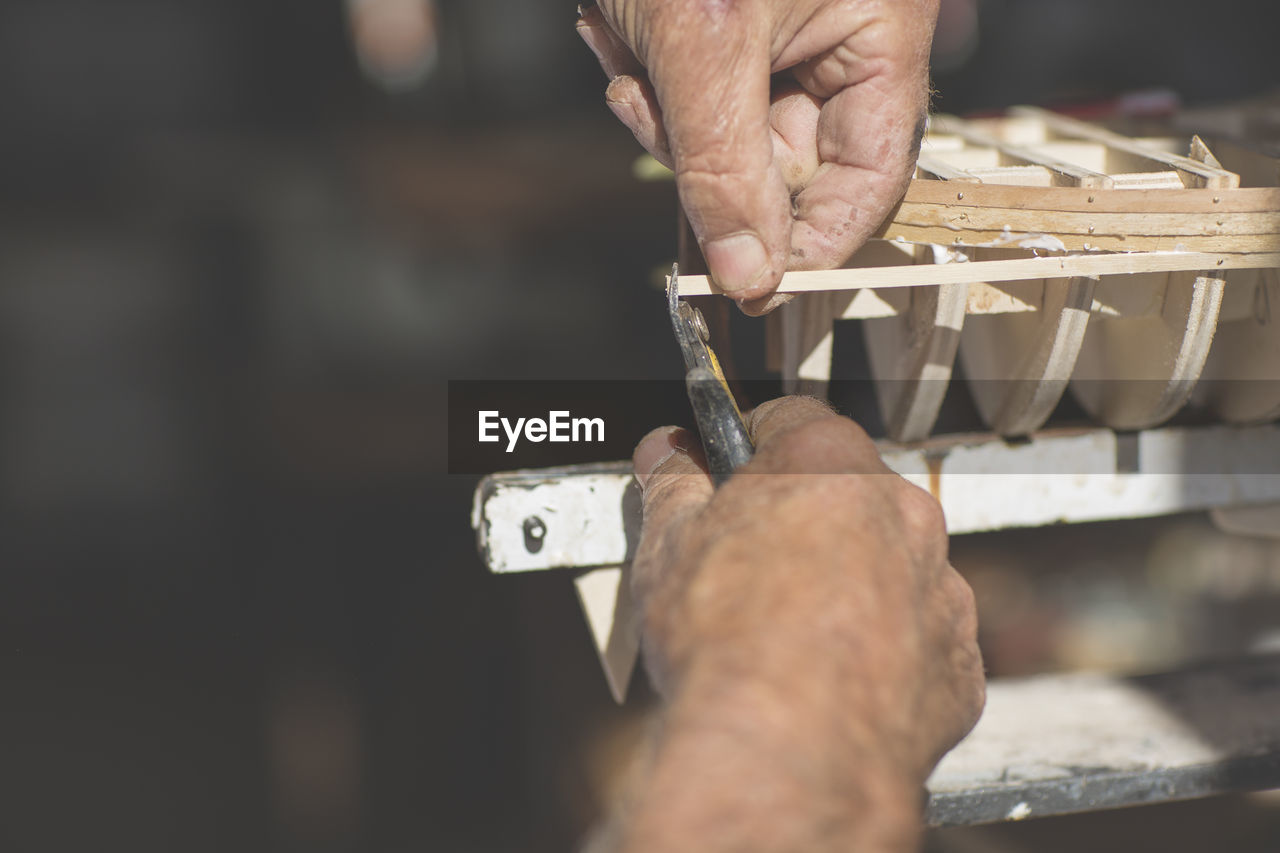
[(710, 73)]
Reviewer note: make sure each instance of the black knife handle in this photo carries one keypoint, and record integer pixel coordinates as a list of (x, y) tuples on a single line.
[(724, 436)]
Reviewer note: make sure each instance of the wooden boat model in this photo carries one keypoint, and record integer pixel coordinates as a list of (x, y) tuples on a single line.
[(1046, 254)]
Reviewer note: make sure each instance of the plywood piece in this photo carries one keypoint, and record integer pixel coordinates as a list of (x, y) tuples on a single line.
[(911, 355), (807, 325), (1017, 367), (773, 342), (1241, 380), (1004, 298), (605, 596), (1136, 372)]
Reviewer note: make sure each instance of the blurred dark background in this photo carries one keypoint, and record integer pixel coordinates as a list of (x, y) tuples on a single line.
[(243, 247)]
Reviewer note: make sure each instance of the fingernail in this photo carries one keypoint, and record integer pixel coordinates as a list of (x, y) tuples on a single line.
[(737, 263), (654, 449), (760, 307), (623, 108)]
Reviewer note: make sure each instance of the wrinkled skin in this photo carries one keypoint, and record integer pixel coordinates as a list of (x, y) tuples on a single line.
[(817, 651), (792, 126)]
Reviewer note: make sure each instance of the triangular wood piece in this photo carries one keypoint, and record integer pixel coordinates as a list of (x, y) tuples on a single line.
[(605, 594)]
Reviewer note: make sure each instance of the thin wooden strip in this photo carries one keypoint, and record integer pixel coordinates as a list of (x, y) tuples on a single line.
[(1017, 269), (940, 168), (807, 340), (1020, 176), (939, 234), (1068, 199), (963, 218), (1069, 174), (1091, 155), (1208, 175)]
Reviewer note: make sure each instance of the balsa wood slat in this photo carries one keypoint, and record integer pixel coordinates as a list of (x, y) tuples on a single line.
[(1070, 199), (1015, 269)]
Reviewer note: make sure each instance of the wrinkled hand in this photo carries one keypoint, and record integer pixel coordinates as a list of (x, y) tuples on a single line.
[(792, 125), (817, 650)]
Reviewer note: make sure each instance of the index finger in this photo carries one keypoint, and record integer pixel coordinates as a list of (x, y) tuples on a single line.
[(804, 435)]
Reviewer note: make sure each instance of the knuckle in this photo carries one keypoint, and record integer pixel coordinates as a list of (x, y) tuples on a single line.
[(804, 436), (810, 403), (833, 71), (967, 668), (831, 432), (972, 693), (769, 408), (691, 21), (787, 409), (721, 192), (764, 411), (667, 493), (921, 513), (708, 12), (966, 604), (709, 169), (659, 489), (964, 610)]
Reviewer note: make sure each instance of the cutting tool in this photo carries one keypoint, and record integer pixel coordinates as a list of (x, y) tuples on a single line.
[(724, 435)]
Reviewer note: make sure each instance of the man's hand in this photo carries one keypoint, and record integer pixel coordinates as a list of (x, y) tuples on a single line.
[(818, 652), (792, 125)]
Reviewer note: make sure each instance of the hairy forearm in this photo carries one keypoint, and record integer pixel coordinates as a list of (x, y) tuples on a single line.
[(747, 763), (784, 728)]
